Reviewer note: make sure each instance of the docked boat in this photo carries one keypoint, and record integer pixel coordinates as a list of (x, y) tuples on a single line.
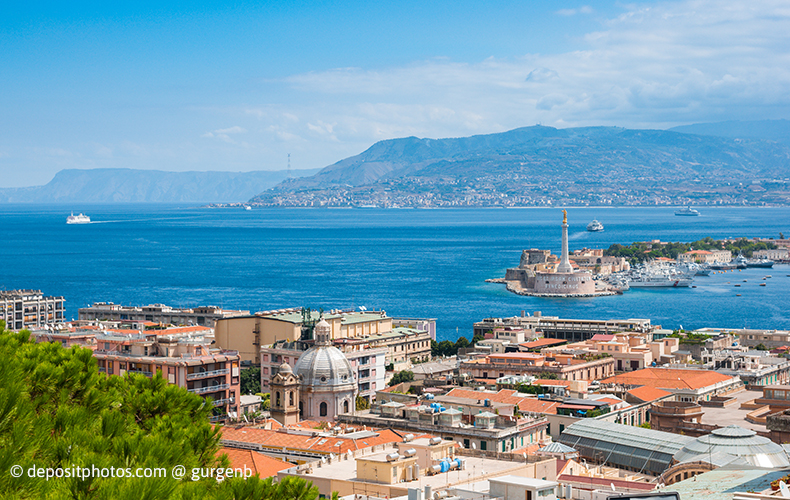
[(654, 275), (595, 226), (740, 262), (687, 211), (78, 219), (765, 263), (658, 281)]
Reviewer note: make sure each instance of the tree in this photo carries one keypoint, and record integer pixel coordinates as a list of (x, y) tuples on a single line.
[(401, 376), (251, 380), (760, 347), (362, 403), (461, 343), (58, 411)]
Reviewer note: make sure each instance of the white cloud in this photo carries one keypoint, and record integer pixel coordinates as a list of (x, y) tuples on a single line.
[(651, 66), (585, 9), (223, 134)]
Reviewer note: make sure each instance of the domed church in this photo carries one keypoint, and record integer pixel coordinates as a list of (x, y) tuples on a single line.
[(322, 381)]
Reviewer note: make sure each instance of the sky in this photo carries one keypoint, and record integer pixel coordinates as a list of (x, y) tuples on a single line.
[(238, 86)]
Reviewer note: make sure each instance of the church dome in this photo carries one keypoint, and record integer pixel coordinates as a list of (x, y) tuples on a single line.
[(285, 368), (325, 367), (737, 442)]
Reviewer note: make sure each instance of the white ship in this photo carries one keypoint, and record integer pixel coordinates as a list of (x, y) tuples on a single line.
[(688, 211), (78, 219), (648, 280), (595, 226), (247, 207)]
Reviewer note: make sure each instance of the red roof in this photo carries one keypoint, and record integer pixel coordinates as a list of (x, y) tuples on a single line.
[(320, 444), (669, 378), (647, 394), (509, 396), (542, 343), (259, 463)]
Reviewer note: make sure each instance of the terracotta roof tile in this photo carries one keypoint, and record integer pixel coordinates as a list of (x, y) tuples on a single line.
[(669, 378), (259, 463), (647, 394)]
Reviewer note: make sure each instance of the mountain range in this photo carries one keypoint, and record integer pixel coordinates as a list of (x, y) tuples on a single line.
[(707, 163), (129, 185), (543, 165)]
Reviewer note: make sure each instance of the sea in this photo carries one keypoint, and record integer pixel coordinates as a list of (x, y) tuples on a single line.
[(408, 262)]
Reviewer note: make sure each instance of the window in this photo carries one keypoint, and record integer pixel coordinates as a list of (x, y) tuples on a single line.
[(345, 406), (483, 445), (322, 409), (290, 398)]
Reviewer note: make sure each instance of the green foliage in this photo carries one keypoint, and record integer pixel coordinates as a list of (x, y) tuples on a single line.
[(548, 376), (447, 348), (390, 367), (401, 376), (639, 252), (251, 380), (362, 403), (645, 425), (761, 347), (690, 337), (532, 389), (266, 401), (58, 411)]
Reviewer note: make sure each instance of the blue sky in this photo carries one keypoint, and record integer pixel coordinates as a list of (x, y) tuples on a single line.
[(237, 86)]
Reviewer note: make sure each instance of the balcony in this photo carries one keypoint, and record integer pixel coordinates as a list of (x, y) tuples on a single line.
[(213, 388), (213, 373), (223, 402), (147, 374)]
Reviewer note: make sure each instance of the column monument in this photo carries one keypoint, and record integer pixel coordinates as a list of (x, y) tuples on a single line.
[(565, 264)]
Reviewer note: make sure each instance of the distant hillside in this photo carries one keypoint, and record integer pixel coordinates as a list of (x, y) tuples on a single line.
[(543, 165), (127, 185), (772, 130)]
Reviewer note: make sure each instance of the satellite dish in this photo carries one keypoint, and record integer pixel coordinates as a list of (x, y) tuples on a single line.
[(612, 485), (784, 490), (474, 446)]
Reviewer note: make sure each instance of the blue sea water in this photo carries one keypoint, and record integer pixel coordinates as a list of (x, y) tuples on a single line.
[(411, 263)]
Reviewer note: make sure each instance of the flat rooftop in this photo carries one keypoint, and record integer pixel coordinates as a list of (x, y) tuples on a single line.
[(733, 414), (476, 470)]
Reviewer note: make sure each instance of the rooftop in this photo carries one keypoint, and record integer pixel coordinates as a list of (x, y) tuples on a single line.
[(669, 378)]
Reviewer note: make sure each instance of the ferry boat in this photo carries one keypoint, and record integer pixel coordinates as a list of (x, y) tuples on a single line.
[(595, 226), (687, 211), (78, 219)]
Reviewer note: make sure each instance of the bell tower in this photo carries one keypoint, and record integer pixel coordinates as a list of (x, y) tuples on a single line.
[(284, 396)]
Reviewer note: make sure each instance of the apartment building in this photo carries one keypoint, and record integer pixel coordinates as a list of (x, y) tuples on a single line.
[(568, 329), (157, 313), (373, 329), (706, 256), (184, 358), (22, 309), (630, 350), (563, 366)]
